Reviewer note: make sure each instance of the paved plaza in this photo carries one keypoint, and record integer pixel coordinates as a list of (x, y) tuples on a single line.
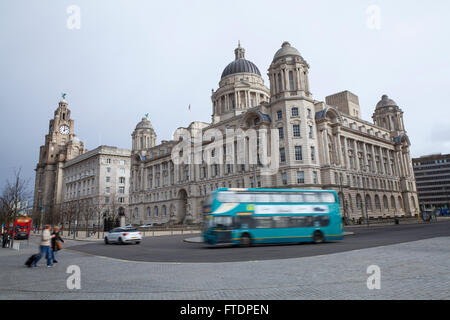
[(410, 270)]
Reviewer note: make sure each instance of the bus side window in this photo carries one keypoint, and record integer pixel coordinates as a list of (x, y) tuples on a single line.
[(311, 197), (263, 222), (260, 198), (244, 222), (281, 222), (327, 197)]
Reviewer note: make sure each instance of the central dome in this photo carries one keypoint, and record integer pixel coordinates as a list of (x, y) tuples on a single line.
[(240, 64)]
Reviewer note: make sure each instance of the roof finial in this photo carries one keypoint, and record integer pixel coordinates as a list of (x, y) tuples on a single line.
[(239, 52)]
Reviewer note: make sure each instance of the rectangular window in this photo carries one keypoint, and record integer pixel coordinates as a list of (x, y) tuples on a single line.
[(298, 153), (122, 190), (122, 171), (296, 130), (282, 155), (108, 161), (279, 115), (122, 162), (313, 154), (300, 177), (106, 199), (122, 180), (284, 178), (108, 190), (315, 177), (281, 133), (108, 179), (294, 112), (311, 132), (309, 113), (108, 169)]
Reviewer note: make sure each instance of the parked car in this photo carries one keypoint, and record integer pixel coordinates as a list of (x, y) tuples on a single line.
[(147, 225), (128, 226), (123, 235)]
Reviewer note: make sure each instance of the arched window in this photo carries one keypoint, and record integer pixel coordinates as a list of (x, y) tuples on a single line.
[(400, 202), (377, 202), (358, 201), (393, 206), (164, 211), (413, 201), (368, 203), (136, 212), (155, 210), (280, 83), (385, 202), (291, 81), (149, 212)]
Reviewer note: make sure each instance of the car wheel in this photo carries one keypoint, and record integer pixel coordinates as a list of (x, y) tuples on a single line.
[(120, 241), (318, 237), (106, 240), (245, 241), (137, 242)]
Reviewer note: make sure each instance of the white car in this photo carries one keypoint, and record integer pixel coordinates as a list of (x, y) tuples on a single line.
[(147, 225), (123, 235)]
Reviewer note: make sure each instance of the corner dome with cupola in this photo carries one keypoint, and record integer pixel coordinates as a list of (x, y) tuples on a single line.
[(240, 87)]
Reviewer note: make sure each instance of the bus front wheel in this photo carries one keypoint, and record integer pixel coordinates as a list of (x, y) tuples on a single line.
[(245, 241), (318, 237)]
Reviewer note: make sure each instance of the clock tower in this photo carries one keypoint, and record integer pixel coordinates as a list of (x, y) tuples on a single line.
[(61, 145)]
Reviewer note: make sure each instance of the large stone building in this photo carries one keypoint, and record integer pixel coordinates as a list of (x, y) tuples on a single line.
[(433, 180), (96, 183), (320, 145), (61, 145)]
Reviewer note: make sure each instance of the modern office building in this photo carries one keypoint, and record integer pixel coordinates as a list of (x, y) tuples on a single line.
[(432, 174)]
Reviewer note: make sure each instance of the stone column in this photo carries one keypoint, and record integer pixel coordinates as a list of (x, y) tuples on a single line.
[(373, 159), (325, 143), (347, 160)]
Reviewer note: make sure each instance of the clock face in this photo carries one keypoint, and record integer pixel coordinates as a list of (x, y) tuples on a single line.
[(64, 130)]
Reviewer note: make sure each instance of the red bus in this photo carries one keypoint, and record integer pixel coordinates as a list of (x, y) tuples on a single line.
[(22, 228)]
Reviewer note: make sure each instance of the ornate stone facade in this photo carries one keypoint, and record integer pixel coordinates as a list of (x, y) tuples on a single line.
[(321, 146), (61, 145)]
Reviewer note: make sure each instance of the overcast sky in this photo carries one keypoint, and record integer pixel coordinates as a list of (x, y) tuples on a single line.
[(134, 57)]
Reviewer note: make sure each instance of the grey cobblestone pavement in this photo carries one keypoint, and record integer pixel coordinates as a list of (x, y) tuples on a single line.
[(413, 270)]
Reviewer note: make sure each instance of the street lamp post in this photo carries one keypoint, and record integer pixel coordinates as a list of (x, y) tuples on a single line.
[(344, 205), (364, 195), (75, 226)]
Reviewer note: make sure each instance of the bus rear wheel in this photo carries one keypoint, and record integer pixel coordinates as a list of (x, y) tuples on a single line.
[(318, 237), (245, 241)]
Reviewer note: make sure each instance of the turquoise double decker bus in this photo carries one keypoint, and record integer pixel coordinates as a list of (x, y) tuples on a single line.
[(258, 216)]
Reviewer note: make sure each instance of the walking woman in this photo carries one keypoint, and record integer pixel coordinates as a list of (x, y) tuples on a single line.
[(56, 243)]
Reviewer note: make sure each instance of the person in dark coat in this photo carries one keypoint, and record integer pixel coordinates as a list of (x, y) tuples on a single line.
[(55, 239), (5, 238)]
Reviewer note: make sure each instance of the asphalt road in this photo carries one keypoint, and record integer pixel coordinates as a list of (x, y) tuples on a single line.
[(174, 249)]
